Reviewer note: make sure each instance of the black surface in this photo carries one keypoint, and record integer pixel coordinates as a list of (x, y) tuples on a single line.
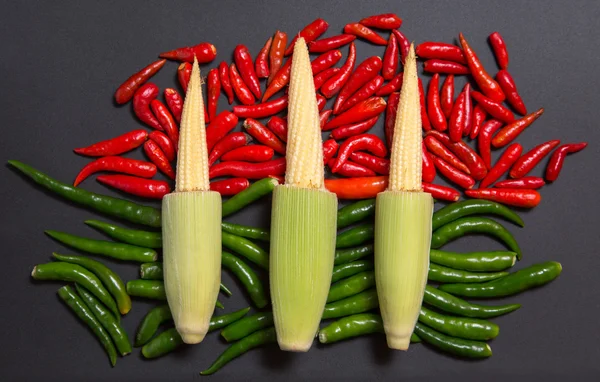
[(60, 66)]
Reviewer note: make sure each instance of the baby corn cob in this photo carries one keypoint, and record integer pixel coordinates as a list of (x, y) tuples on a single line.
[(191, 226), (303, 219), (403, 221)]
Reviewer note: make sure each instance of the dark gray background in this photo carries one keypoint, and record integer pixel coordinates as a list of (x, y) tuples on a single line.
[(60, 64)]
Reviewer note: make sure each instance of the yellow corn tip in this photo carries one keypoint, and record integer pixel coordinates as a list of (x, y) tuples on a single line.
[(406, 155), (304, 152), (192, 157)]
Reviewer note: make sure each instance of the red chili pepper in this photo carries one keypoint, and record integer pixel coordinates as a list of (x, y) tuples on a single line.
[(243, 63), (219, 127), (125, 92), (251, 153), (325, 61), (509, 196), (452, 174), (468, 111), (511, 131), (529, 182), (159, 158), (486, 83), (390, 58), (364, 32), (321, 102), (141, 105), (390, 117), (393, 86), (165, 144), (279, 81), (146, 188), (324, 117), (324, 76), (465, 153), (261, 64), (115, 146), (427, 168), (495, 109), (447, 95), (441, 192), (242, 91), (278, 178), (116, 164), (347, 131), (424, 117), (330, 43), (365, 72), (226, 81), (508, 86), (558, 158), (403, 44), (384, 21), (438, 149), (446, 67), (174, 103), (330, 148), (434, 108), (500, 51), (456, 125), (479, 116), (204, 52), (485, 139), (276, 54), (335, 83), (264, 135), (184, 71), (166, 120), (261, 110), (248, 170), (278, 126), (531, 158), (440, 51), (351, 170), (311, 32), (357, 188), (506, 160), (366, 109), (379, 165), (227, 143), (214, 91), (368, 142), (229, 187)]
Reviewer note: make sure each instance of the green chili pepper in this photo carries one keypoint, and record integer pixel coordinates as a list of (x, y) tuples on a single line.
[(355, 212), (349, 269), (351, 286), (124, 209), (246, 231), (520, 281), (451, 304), (151, 271), (75, 273), (162, 344), (343, 256), (130, 236), (246, 248), (149, 325), (474, 261), (355, 236), (354, 326), (461, 327), (358, 303), (152, 289), (256, 191), (110, 279), (218, 322), (247, 326), (74, 302), (247, 277), (443, 274), (455, 346), (107, 320), (464, 208), (254, 340), (464, 226), (117, 251)]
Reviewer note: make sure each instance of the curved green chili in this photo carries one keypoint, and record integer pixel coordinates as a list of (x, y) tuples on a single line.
[(150, 323), (351, 286), (246, 231), (443, 274), (355, 212), (117, 251), (75, 273), (464, 208), (256, 191), (343, 256), (152, 289), (107, 320), (455, 346), (124, 209), (354, 326), (218, 322), (151, 271), (349, 269), (451, 304), (358, 303), (130, 236), (254, 340), (355, 236), (247, 277), (110, 279), (162, 344), (464, 226), (74, 302), (517, 282), (460, 327), (246, 248), (247, 326), (474, 261)]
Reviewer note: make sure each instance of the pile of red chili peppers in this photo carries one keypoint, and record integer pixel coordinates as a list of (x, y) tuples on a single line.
[(484, 110)]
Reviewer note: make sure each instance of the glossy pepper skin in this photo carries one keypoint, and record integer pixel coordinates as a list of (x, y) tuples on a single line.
[(227, 143), (465, 153), (351, 169), (512, 130), (125, 92), (509, 88), (165, 144), (365, 72), (326, 74), (445, 67), (241, 89), (330, 148), (452, 174), (166, 120), (457, 306), (116, 164), (330, 43), (506, 160), (353, 129), (174, 103), (499, 47), (393, 86), (219, 127), (333, 85), (447, 95), (158, 157), (278, 126), (484, 141), (204, 52), (530, 182), (226, 81), (434, 107), (440, 51), (184, 71), (311, 32), (530, 159), (261, 110), (115, 146), (471, 207), (248, 170), (264, 135), (381, 166), (141, 104), (366, 109), (391, 58), (403, 44), (214, 91), (366, 91), (495, 109), (385, 21), (146, 188), (368, 142), (479, 116), (252, 153), (231, 186), (513, 197), (276, 54), (484, 81), (424, 117), (428, 168), (243, 62), (558, 158), (390, 117), (261, 64), (365, 33), (438, 149), (456, 124)]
